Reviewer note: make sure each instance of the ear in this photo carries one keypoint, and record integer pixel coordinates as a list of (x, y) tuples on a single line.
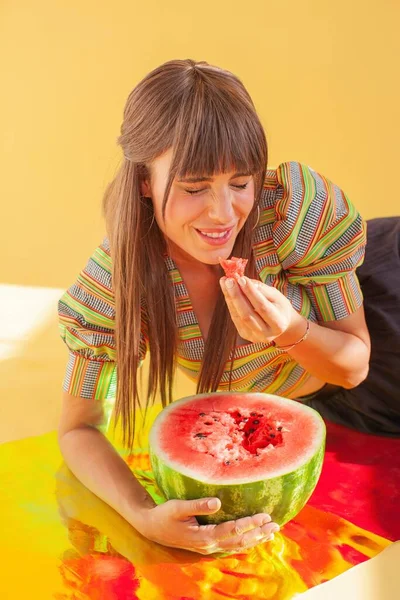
[(145, 189)]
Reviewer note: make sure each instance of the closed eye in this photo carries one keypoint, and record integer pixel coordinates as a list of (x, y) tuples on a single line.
[(240, 187)]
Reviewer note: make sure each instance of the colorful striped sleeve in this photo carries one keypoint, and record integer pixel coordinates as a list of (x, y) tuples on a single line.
[(87, 322), (320, 239)]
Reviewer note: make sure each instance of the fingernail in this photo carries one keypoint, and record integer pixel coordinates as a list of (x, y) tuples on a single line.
[(242, 281), (269, 538), (213, 504), (229, 283), (274, 529)]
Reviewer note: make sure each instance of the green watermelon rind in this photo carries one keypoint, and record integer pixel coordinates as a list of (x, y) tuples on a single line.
[(281, 497)]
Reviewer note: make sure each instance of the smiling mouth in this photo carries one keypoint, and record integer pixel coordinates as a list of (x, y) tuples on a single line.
[(215, 237)]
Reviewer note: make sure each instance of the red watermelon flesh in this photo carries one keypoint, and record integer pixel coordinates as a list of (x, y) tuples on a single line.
[(233, 266)]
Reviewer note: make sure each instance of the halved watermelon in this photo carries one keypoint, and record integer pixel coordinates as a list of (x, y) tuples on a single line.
[(233, 266), (255, 452)]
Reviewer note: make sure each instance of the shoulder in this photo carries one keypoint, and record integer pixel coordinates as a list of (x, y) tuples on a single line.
[(312, 214), (295, 191), (295, 181), (99, 265), (291, 192), (90, 298), (102, 254), (289, 185)]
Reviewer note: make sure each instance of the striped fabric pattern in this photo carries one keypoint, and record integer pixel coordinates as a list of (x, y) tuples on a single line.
[(308, 243)]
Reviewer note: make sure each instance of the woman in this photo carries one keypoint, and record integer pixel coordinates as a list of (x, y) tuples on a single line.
[(194, 188)]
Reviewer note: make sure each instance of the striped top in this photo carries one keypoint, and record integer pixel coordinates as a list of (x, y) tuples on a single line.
[(308, 243)]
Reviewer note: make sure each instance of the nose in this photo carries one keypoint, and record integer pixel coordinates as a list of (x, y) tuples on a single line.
[(221, 209)]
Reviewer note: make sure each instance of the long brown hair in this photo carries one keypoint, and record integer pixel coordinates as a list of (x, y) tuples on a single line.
[(207, 117)]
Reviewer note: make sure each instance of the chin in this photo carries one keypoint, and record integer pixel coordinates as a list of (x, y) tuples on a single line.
[(223, 253)]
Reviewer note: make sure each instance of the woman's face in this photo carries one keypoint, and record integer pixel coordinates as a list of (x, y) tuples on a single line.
[(202, 217)]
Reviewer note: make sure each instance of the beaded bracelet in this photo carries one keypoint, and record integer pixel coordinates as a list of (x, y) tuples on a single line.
[(290, 346)]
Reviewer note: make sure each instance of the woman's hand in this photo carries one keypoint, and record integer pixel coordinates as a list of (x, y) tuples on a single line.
[(260, 312), (174, 524)]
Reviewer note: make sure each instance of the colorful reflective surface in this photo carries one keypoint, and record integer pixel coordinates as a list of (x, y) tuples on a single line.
[(60, 541)]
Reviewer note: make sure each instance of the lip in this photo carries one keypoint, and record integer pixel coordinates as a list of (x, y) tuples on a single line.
[(215, 241), (214, 229)]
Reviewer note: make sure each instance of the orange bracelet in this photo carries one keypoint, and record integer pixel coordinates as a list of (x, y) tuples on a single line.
[(290, 346)]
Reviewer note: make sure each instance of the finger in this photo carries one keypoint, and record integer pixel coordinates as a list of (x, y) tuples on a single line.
[(239, 305), (268, 291), (255, 543), (250, 538), (269, 311), (182, 509), (240, 526), (255, 290), (234, 536), (244, 536), (241, 311), (214, 534), (233, 294)]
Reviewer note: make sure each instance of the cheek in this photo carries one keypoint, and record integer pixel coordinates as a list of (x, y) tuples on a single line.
[(174, 211), (181, 211), (245, 204)]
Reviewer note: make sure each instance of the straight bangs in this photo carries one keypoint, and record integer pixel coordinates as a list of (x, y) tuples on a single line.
[(216, 132)]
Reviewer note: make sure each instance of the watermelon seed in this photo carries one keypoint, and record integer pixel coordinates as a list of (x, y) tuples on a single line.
[(253, 414), (272, 435), (251, 430), (279, 428), (200, 435), (227, 462), (207, 423), (256, 422), (202, 414), (215, 419)]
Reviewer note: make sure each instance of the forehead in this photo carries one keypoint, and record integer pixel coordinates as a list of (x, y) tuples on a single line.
[(162, 164)]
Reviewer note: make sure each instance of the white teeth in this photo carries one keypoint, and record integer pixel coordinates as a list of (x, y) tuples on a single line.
[(214, 235)]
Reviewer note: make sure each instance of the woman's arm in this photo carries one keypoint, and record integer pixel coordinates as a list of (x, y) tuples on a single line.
[(95, 462), (320, 238), (335, 351)]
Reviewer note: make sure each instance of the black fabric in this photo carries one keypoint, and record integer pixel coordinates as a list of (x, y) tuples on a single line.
[(374, 405)]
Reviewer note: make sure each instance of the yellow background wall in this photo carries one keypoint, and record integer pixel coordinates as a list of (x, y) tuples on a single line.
[(323, 76)]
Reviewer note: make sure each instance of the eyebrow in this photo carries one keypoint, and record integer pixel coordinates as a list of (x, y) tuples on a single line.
[(198, 179)]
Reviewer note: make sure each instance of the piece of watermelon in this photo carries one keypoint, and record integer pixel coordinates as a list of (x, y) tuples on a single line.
[(255, 452), (233, 266)]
